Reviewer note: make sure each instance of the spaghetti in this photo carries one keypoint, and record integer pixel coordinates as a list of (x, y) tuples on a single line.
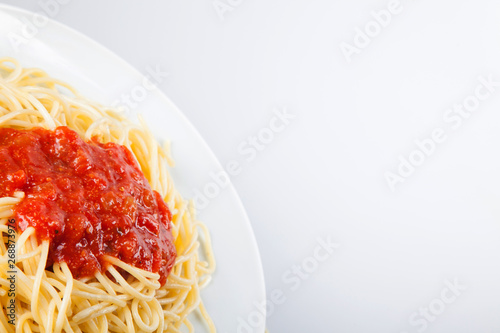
[(123, 298)]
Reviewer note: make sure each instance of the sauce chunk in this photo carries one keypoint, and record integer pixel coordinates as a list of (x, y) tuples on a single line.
[(87, 199)]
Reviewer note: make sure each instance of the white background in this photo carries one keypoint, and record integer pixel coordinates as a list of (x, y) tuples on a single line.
[(323, 176)]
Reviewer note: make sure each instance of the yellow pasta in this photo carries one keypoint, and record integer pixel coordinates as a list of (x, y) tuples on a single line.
[(52, 300)]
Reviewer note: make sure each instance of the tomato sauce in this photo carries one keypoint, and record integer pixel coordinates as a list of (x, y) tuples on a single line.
[(87, 199)]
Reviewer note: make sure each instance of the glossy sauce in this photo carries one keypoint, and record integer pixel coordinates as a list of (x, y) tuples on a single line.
[(88, 199)]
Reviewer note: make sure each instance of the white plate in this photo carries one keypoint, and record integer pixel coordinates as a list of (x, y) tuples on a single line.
[(102, 76)]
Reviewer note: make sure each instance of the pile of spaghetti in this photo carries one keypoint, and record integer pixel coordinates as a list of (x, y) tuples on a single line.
[(48, 294)]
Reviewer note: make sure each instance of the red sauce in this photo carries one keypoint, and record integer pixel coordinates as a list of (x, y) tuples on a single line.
[(88, 199)]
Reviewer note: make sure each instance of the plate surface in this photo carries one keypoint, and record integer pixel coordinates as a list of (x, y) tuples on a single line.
[(102, 76)]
